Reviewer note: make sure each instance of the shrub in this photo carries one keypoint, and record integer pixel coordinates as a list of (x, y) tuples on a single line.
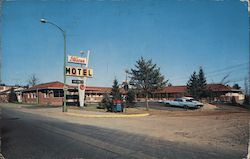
[(106, 102)]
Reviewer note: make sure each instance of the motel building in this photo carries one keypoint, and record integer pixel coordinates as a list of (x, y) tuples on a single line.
[(52, 93)]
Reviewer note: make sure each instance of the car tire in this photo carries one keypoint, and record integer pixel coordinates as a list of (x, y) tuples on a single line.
[(186, 107), (167, 104)]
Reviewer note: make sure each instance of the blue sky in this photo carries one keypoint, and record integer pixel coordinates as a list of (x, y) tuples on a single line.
[(179, 36)]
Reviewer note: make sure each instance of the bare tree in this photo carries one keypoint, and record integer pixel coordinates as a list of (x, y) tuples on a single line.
[(33, 80)]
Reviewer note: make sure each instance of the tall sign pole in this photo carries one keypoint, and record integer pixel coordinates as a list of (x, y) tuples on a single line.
[(80, 91), (81, 87), (85, 80), (64, 77)]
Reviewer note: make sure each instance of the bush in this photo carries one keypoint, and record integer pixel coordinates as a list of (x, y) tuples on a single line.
[(106, 102), (100, 106)]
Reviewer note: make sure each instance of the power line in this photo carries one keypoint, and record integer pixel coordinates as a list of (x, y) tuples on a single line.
[(228, 68), (238, 66)]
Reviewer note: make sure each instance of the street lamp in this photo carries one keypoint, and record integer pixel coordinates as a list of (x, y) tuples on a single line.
[(64, 108)]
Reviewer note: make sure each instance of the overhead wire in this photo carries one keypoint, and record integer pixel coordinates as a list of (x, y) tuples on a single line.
[(219, 72)]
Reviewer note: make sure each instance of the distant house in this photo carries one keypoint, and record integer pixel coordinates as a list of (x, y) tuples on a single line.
[(11, 93), (4, 96), (5, 88), (220, 92)]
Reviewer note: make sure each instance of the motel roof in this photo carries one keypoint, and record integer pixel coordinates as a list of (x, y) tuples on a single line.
[(60, 85), (173, 89), (220, 87), (213, 87), (93, 89)]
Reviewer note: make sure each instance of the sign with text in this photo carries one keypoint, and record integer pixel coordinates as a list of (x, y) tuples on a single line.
[(82, 87), (77, 81), (78, 71), (76, 59)]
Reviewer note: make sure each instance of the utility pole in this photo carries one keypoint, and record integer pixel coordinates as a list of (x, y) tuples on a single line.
[(248, 95), (1, 5)]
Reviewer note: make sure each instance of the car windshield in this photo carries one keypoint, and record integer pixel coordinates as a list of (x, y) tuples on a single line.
[(178, 100)]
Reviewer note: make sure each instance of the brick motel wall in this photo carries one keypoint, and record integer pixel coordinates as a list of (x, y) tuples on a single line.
[(42, 99)]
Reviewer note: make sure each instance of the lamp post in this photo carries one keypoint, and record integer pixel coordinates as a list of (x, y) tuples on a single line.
[(248, 8), (64, 108)]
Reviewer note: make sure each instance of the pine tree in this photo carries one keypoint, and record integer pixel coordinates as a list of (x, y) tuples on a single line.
[(197, 84), (115, 92), (146, 77), (192, 86), (202, 84), (236, 86)]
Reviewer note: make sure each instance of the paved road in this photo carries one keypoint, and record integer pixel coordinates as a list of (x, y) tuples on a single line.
[(29, 136)]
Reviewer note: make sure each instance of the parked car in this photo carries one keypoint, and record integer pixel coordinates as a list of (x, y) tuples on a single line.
[(185, 102)]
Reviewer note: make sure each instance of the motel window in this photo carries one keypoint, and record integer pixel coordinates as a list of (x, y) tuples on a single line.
[(58, 93)]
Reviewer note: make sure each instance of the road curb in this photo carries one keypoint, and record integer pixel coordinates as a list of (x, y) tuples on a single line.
[(108, 115)]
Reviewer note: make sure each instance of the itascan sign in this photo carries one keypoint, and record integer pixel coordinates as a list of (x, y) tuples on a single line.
[(76, 59)]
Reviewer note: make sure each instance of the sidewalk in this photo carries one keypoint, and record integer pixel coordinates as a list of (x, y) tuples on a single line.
[(76, 111)]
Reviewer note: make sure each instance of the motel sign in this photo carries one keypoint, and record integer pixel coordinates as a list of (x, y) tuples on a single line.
[(78, 71), (77, 60)]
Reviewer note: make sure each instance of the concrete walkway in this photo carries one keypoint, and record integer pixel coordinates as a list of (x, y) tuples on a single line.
[(74, 111)]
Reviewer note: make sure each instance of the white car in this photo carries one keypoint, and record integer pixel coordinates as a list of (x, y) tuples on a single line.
[(185, 102)]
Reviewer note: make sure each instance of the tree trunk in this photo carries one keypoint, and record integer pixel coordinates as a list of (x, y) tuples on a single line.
[(147, 108)]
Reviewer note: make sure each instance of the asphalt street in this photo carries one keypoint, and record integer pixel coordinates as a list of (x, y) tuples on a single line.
[(29, 136)]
